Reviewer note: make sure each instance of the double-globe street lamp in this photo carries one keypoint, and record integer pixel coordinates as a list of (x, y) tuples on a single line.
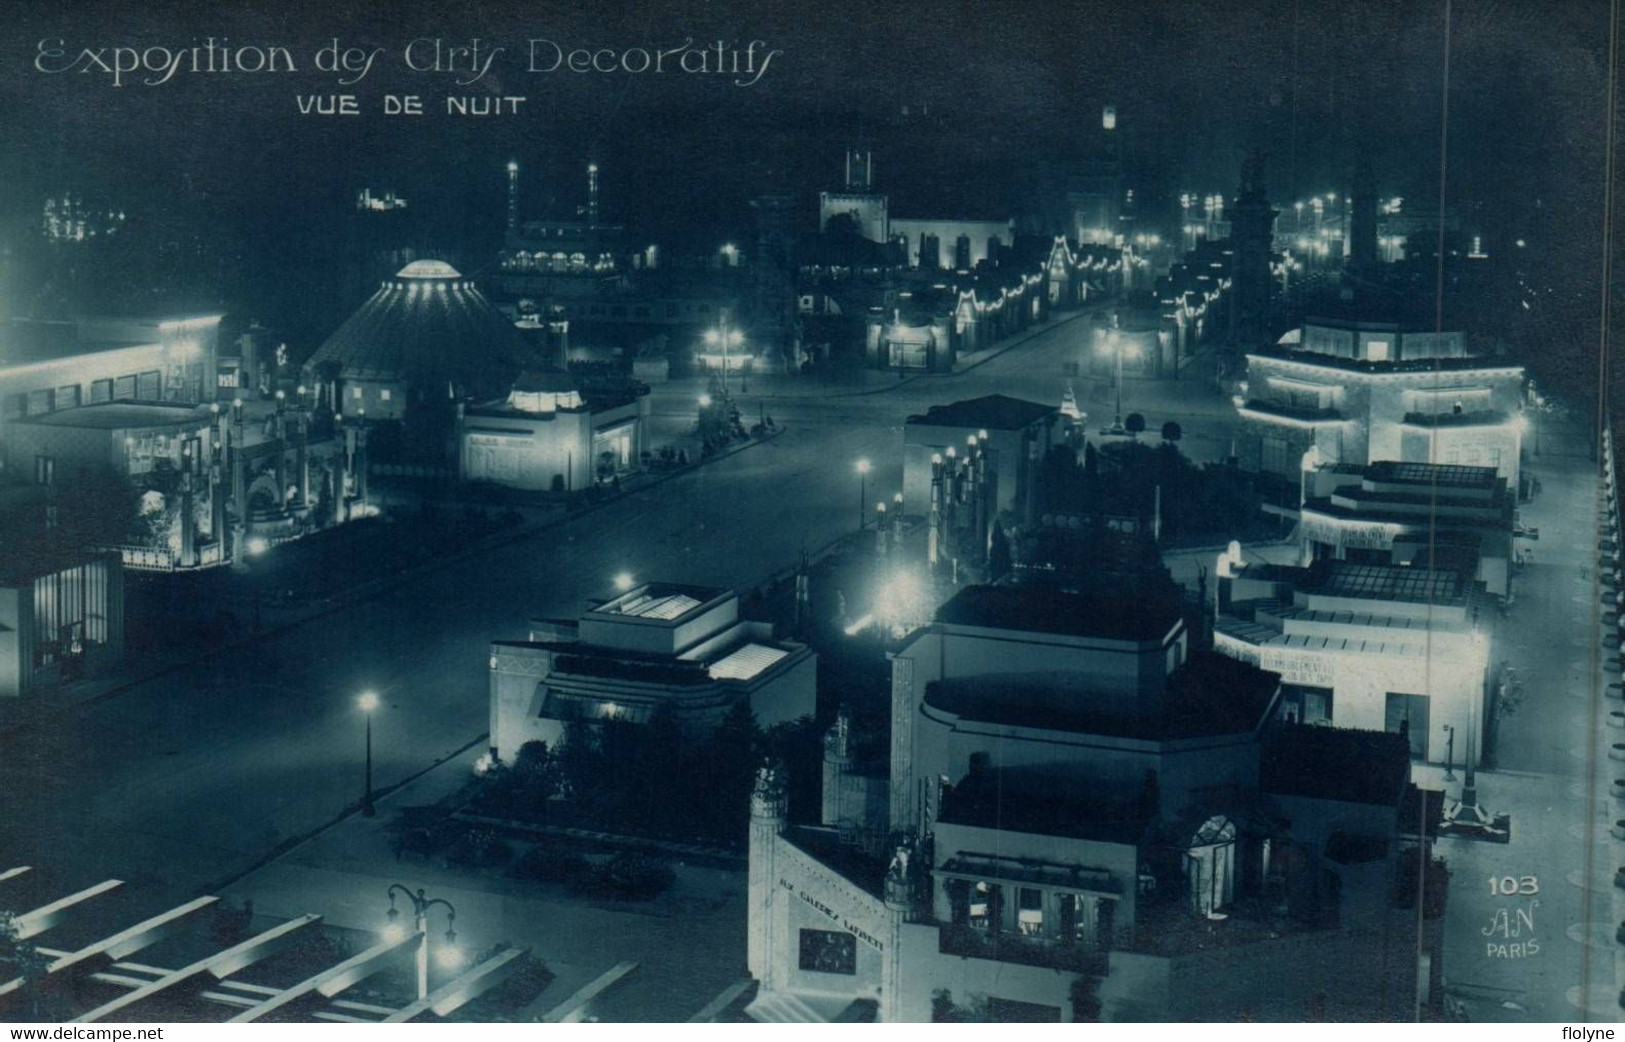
[(1115, 344), (449, 957)]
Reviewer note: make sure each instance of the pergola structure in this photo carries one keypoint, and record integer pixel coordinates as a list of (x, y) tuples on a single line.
[(108, 961)]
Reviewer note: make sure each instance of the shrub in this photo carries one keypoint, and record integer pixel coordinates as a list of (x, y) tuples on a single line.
[(479, 848), (548, 865), (629, 876)]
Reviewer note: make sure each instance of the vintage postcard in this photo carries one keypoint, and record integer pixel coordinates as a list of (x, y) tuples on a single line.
[(723, 512)]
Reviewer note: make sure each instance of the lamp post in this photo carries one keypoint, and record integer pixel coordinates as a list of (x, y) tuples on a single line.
[(725, 338), (863, 492), (1114, 342), (367, 703), (450, 956)]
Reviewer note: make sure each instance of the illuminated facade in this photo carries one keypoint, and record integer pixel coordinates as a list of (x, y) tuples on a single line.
[(1098, 820), (1360, 392), (537, 252), (657, 646), (46, 367), (1373, 647), (546, 435)]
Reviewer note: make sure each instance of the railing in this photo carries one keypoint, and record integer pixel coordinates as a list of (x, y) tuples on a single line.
[(967, 941)]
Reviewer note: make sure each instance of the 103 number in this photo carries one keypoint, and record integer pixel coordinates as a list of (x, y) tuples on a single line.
[(1514, 886)]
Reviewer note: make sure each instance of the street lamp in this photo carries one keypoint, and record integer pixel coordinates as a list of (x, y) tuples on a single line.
[(450, 956), (1114, 342), (623, 581), (725, 338), (367, 703), (863, 492)]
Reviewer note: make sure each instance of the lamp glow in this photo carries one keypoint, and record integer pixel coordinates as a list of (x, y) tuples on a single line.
[(623, 581), (367, 702)]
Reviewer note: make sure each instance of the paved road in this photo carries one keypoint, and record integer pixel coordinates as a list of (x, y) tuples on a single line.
[(1554, 780), (190, 779)]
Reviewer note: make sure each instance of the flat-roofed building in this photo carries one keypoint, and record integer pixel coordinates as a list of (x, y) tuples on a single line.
[(659, 646), (1400, 513), (49, 366), (548, 435), (1101, 819), (1019, 433), (1359, 392), (132, 438), (1375, 647)]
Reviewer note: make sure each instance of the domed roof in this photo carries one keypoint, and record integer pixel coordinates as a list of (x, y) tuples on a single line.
[(432, 331), (428, 269)]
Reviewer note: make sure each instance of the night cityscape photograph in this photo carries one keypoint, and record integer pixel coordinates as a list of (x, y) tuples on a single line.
[(757, 513)]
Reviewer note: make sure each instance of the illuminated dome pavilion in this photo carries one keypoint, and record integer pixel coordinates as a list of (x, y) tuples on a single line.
[(427, 335)]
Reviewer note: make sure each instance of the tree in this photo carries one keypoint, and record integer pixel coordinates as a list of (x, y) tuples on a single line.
[(578, 759), (732, 754), (1134, 423), (19, 958), (535, 773), (1171, 431)]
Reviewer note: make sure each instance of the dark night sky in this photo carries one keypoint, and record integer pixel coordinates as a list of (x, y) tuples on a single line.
[(1193, 82)]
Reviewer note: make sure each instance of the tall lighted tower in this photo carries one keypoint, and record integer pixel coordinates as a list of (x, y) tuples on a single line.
[(592, 195), (513, 197)]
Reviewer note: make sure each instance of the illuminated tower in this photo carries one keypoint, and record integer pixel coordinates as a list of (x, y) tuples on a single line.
[(513, 197), (592, 195)]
